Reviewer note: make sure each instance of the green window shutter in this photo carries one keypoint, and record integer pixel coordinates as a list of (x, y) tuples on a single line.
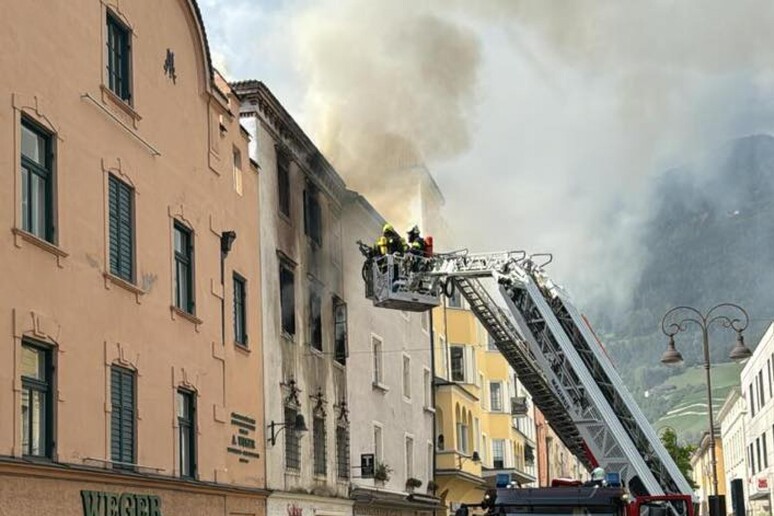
[(120, 200), (122, 427)]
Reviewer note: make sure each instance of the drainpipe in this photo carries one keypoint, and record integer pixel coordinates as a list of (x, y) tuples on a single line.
[(432, 391)]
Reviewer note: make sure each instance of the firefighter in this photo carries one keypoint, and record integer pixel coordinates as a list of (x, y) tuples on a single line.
[(597, 478), (390, 242), (416, 244)]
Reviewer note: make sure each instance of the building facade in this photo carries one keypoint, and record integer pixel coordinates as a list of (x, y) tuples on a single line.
[(392, 409), (305, 318), (731, 419), (758, 390), (554, 459), (127, 380)]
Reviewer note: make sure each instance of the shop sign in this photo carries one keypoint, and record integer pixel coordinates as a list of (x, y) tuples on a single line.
[(243, 438), (763, 484), (295, 510), (98, 503)]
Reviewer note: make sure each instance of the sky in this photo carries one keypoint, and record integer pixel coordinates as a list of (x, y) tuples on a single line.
[(546, 123)]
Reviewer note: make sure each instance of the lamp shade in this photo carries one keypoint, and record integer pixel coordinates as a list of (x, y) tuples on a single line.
[(740, 351), (671, 356)]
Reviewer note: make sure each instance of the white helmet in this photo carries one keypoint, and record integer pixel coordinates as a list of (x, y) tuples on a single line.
[(598, 473)]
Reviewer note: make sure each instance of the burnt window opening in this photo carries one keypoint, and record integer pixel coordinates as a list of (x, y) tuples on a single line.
[(340, 331), (283, 182), (342, 451), (292, 455), (318, 431), (287, 300), (315, 320), (312, 215)]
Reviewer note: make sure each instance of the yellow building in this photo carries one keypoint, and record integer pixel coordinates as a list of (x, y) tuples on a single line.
[(701, 462), (477, 394)]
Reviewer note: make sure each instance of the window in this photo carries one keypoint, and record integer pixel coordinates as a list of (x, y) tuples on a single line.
[(765, 452), (315, 320), (340, 331), (376, 346), (287, 300), (498, 453), (184, 298), (482, 399), (237, 171), (751, 458), (484, 450), (495, 396), (318, 435), (377, 443), (457, 363), (455, 301), (36, 406), (283, 182), (758, 452), (428, 390), (406, 376), (430, 455), (409, 457), (752, 401), (312, 215), (121, 220), (119, 54), (292, 458), (768, 367), (186, 418), (462, 436), (37, 181), (761, 392), (122, 417), (476, 434), (342, 452), (240, 313), (491, 344)]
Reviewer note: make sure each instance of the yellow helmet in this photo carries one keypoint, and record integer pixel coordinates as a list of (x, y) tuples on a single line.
[(387, 227)]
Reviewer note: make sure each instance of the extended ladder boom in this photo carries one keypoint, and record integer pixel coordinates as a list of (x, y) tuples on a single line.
[(551, 348)]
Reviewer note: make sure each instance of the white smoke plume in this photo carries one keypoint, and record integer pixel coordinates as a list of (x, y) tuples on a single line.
[(546, 122)]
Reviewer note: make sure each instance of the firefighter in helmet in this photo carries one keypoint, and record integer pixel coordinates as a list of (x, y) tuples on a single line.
[(390, 242), (416, 244)]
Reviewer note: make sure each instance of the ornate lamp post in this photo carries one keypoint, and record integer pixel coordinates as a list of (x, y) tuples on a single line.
[(677, 320)]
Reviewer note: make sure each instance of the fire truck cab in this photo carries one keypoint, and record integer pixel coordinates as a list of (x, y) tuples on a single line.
[(578, 501)]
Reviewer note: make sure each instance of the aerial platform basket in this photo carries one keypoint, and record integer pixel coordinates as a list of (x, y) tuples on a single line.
[(401, 282)]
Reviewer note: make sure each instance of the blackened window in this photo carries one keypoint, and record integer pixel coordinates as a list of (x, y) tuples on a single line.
[(292, 459), (186, 421), (315, 320), (283, 182), (240, 313), (765, 451), (37, 181), (184, 298), (120, 208), (36, 405), (342, 451), (340, 331), (318, 431), (287, 300), (312, 215), (119, 56), (122, 418)]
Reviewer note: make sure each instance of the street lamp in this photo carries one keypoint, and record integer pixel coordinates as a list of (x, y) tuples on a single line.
[(728, 315)]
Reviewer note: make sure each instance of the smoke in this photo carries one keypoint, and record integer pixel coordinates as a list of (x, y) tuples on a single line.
[(546, 122)]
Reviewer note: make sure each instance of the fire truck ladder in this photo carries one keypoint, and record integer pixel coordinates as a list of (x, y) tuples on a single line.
[(555, 355)]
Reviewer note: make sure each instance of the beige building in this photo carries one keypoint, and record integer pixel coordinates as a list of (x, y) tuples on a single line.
[(702, 470), (130, 359), (305, 328), (554, 460)]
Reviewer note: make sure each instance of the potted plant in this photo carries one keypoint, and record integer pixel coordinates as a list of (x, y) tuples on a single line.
[(382, 472), (413, 483)]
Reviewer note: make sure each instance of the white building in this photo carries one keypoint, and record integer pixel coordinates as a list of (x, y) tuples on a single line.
[(389, 371), (758, 389), (731, 420), (304, 313)]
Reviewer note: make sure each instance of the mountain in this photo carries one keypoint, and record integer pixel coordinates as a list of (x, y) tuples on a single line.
[(710, 240)]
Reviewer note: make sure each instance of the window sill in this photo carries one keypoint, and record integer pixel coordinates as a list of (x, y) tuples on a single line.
[(176, 312), (316, 352), (378, 386), (431, 410), (115, 280), (39, 243), (242, 348), (293, 472), (110, 97), (339, 365), (407, 400), (287, 337)]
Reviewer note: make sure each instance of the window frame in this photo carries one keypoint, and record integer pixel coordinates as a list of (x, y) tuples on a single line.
[(185, 259), (46, 387), (188, 424), (342, 452), (119, 186), (408, 455), (378, 360), (492, 407), (240, 309), (319, 446), (503, 458), (452, 358), (45, 172), (378, 431), (114, 22), (406, 376), (119, 463), (236, 155), (292, 452), (313, 223), (315, 319), (340, 332)]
